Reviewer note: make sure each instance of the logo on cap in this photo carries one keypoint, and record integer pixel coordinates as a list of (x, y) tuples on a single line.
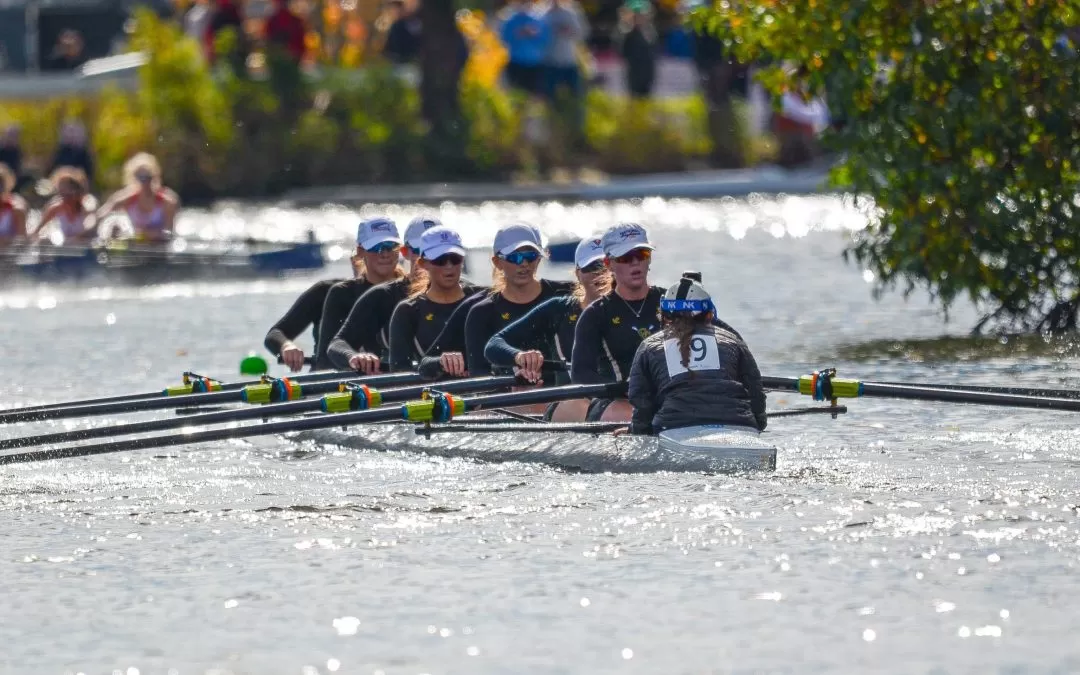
[(381, 226), (631, 233)]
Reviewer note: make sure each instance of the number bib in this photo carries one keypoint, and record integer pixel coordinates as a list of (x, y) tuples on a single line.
[(704, 355)]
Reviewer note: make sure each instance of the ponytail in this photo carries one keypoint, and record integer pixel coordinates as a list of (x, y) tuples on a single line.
[(681, 328)]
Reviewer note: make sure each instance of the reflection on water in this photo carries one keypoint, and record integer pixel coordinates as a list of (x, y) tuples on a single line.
[(904, 537)]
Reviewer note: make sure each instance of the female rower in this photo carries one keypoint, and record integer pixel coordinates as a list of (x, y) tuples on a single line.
[(150, 206), (306, 311), (693, 372), (72, 208), (12, 209), (518, 249), (363, 341), (376, 261), (609, 330), (549, 327), (419, 327)]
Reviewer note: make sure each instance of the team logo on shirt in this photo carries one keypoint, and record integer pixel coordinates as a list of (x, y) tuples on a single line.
[(616, 320), (644, 332), (505, 316), (573, 318), (429, 317)]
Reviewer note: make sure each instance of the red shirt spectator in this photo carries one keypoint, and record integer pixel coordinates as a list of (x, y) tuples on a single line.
[(286, 30)]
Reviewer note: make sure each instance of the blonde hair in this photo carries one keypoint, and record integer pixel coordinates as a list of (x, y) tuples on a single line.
[(498, 281), (72, 174), (578, 294), (7, 179), (141, 160), (419, 284), (360, 269)]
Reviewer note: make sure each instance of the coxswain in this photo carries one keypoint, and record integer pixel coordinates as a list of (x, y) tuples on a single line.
[(149, 205), (419, 327), (71, 208), (547, 331), (611, 328), (13, 210), (693, 372), (362, 344), (517, 252), (377, 260)]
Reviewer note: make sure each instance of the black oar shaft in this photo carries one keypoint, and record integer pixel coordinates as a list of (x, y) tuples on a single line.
[(542, 395), (123, 398), (920, 393), (1015, 391), (239, 414), (212, 398)]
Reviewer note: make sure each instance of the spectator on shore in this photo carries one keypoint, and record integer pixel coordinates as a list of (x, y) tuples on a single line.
[(403, 38), (225, 15), (286, 31), (67, 53), (569, 29), (197, 20), (797, 125), (527, 39), (73, 151), (638, 47)]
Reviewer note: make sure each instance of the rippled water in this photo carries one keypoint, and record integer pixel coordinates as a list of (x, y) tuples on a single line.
[(904, 537)]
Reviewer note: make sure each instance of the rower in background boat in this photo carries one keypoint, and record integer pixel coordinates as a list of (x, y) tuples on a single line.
[(13, 210), (149, 204), (547, 331), (692, 372), (420, 329), (518, 250), (377, 260), (362, 344), (611, 328), (72, 210)]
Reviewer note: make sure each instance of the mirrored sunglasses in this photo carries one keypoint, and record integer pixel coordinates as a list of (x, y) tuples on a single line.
[(634, 256), (383, 247), (521, 257)]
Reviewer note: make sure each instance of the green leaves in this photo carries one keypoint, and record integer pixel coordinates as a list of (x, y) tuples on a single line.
[(963, 126)]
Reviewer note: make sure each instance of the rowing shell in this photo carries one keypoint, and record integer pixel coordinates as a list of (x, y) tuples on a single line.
[(711, 449)]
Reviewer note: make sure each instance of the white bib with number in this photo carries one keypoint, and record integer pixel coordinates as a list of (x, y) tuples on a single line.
[(704, 355)]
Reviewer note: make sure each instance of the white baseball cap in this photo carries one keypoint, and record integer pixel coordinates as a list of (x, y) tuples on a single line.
[(511, 237), (588, 252), (375, 231), (625, 237), (417, 226), (439, 241)]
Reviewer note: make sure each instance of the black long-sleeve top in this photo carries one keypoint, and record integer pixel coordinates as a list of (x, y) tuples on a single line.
[(421, 330), (367, 327), (306, 311), (336, 308)]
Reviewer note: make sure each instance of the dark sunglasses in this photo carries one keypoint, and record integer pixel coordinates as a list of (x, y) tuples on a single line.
[(521, 257), (634, 256), (383, 247), (414, 250), (448, 259), (593, 267)]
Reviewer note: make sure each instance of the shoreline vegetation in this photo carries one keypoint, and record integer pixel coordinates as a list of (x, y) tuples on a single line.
[(273, 129)]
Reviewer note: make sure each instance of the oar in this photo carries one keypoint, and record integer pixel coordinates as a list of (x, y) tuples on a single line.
[(255, 393), (847, 388), (1017, 391), (413, 411), (354, 398), (185, 389)]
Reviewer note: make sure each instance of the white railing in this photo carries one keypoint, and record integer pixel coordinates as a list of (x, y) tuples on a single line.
[(91, 77)]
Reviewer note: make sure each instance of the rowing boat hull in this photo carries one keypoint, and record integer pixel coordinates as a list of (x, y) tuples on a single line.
[(159, 267), (711, 449)]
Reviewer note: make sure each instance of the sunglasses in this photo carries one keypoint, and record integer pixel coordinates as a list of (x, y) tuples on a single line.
[(593, 267), (454, 259), (383, 247), (634, 256), (521, 257), (413, 249)]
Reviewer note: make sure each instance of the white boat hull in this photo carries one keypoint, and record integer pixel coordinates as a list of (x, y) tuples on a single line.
[(712, 449)]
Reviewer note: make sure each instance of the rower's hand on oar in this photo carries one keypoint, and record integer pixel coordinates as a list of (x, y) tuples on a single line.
[(293, 357), (453, 363), (530, 376), (367, 364), (529, 365), (621, 431)]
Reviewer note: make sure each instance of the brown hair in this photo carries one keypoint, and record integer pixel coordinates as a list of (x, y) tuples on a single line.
[(681, 327), (7, 179), (578, 294), (419, 284)]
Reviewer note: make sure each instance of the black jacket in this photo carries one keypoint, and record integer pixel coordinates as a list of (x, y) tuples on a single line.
[(722, 386)]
